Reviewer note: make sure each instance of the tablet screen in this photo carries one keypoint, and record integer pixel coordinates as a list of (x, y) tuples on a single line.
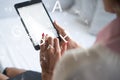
[(37, 21)]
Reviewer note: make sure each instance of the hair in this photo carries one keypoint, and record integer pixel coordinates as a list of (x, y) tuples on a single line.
[(96, 63), (116, 4)]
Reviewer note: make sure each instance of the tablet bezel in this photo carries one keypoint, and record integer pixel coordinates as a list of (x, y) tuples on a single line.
[(27, 3)]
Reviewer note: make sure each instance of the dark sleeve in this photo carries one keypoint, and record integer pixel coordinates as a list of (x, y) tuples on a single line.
[(28, 75)]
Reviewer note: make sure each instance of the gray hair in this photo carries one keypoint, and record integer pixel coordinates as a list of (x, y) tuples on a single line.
[(96, 63)]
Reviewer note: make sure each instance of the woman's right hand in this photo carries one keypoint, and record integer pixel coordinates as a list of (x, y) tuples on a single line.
[(70, 43), (50, 53)]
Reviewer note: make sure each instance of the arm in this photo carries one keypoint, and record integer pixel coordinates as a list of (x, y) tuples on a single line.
[(50, 53), (12, 72), (3, 77)]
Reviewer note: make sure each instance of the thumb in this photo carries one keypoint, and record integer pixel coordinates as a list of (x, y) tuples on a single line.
[(64, 48)]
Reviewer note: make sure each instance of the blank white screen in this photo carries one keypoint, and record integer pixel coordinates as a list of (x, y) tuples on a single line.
[(37, 21)]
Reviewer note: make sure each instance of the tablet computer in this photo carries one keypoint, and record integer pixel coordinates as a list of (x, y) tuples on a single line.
[(36, 20)]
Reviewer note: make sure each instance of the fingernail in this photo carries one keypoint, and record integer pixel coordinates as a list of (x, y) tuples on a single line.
[(43, 34)]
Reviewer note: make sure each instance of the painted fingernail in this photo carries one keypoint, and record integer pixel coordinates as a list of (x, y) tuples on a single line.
[(43, 34)]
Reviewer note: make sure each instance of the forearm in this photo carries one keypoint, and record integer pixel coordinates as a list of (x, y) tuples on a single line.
[(3, 77), (12, 72)]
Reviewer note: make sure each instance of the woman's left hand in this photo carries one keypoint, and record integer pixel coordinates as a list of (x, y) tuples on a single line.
[(50, 53)]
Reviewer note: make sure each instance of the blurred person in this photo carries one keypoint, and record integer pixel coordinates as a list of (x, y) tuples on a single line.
[(100, 62)]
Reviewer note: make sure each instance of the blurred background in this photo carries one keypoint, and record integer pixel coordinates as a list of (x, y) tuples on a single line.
[(82, 19)]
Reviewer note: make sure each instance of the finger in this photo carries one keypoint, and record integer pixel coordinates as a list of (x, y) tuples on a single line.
[(60, 29), (50, 43), (64, 48), (43, 51), (46, 44), (46, 36), (61, 32), (42, 42), (46, 41), (56, 45)]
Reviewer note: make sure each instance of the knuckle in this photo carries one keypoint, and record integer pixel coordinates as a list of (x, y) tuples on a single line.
[(57, 51)]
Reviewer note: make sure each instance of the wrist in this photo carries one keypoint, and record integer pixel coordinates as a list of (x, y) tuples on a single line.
[(47, 76)]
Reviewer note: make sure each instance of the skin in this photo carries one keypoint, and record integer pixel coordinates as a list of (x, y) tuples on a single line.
[(71, 44), (11, 72), (3, 77), (52, 55)]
